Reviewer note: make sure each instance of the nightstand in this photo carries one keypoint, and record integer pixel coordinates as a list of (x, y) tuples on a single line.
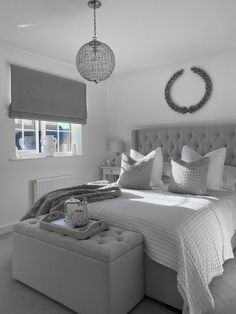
[(110, 173)]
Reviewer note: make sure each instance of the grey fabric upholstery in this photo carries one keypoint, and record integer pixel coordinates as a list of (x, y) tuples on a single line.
[(66, 270), (105, 246), (161, 284), (203, 139)]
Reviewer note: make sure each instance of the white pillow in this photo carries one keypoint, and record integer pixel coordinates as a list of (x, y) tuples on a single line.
[(157, 170), (216, 165), (167, 170), (229, 177)]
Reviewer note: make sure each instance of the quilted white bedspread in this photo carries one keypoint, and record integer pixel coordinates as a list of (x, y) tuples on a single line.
[(190, 234)]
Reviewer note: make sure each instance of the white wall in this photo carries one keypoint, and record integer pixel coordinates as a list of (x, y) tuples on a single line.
[(15, 176), (136, 100), (127, 102)]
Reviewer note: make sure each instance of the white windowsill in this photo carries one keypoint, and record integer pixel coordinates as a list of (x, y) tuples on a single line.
[(32, 157)]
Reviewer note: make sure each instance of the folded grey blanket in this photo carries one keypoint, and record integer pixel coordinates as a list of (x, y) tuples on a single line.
[(54, 201)]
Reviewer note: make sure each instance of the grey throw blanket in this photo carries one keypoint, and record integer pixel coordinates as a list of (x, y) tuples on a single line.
[(54, 201)]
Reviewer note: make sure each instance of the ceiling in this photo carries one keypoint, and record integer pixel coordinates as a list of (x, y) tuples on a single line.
[(141, 33)]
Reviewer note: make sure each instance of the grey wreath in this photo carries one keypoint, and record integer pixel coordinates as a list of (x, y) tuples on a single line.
[(201, 103)]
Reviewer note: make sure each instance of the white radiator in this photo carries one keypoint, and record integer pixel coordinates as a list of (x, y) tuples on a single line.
[(45, 185)]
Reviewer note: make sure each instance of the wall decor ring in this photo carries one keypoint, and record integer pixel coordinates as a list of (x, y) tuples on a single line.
[(201, 103)]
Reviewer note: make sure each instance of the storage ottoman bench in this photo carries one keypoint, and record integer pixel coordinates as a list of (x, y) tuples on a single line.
[(101, 275)]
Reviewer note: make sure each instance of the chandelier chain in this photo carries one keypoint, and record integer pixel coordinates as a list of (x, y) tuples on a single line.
[(94, 23)]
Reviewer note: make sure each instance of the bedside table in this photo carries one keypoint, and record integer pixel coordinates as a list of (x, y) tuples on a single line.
[(110, 173)]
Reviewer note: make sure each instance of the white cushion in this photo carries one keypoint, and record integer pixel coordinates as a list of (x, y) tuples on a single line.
[(229, 177), (216, 165), (157, 170), (167, 168)]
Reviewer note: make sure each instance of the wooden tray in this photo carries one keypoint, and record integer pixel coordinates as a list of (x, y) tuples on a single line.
[(56, 222)]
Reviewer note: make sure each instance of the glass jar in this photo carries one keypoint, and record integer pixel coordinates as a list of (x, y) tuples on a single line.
[(76, 212)]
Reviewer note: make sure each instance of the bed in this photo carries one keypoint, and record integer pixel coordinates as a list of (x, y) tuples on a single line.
[(143, 211)]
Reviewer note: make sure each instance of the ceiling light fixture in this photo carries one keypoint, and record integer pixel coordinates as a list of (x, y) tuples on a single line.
[(95, 60)]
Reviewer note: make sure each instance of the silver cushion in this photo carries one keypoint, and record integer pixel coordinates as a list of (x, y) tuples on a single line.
[(189, 177), (136, 174)]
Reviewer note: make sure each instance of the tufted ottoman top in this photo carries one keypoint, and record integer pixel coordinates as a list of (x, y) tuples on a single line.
[(105, 246)]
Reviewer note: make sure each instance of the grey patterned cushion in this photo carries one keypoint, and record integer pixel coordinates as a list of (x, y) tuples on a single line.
[(189, 177), (136, 174)]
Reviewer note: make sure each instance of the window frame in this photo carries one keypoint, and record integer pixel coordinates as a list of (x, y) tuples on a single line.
[(27, 152), (41, 126)]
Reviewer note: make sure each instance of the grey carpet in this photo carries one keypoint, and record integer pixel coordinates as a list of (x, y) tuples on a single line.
[(16, 298)]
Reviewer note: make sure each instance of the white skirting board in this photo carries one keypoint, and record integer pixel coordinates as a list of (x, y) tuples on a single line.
[(6, 228)]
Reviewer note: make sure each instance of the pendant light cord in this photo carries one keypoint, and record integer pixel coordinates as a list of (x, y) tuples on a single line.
[(94, 22)]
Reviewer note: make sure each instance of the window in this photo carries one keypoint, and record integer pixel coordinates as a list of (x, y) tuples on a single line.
[(29, 133)]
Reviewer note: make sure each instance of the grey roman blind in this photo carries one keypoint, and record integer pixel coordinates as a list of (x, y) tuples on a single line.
[(41, 96)]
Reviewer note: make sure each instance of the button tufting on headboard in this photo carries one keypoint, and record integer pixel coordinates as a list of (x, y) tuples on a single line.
[(201, 138)]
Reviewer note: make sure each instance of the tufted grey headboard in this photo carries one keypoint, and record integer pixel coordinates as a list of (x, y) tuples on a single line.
[(201, 138)]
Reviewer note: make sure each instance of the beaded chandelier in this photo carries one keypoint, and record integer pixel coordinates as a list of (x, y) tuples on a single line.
[(95, 60)]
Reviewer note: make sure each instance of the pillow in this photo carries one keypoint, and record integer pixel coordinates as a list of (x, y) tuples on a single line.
[(229, 177), (166, 168), (165, 180), (157, 170), (189, 177), (136, 174), (216, 165)]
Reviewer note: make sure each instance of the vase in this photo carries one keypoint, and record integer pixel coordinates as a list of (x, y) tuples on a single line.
[(48, 143)]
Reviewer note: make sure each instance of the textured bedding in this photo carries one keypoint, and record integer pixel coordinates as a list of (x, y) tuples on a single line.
[(190, 234)]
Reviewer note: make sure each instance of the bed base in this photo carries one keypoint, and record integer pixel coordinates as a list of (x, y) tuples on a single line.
[(161, 282)]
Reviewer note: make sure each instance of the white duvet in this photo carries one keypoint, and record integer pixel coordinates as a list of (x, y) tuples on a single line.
[(190, 234)]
